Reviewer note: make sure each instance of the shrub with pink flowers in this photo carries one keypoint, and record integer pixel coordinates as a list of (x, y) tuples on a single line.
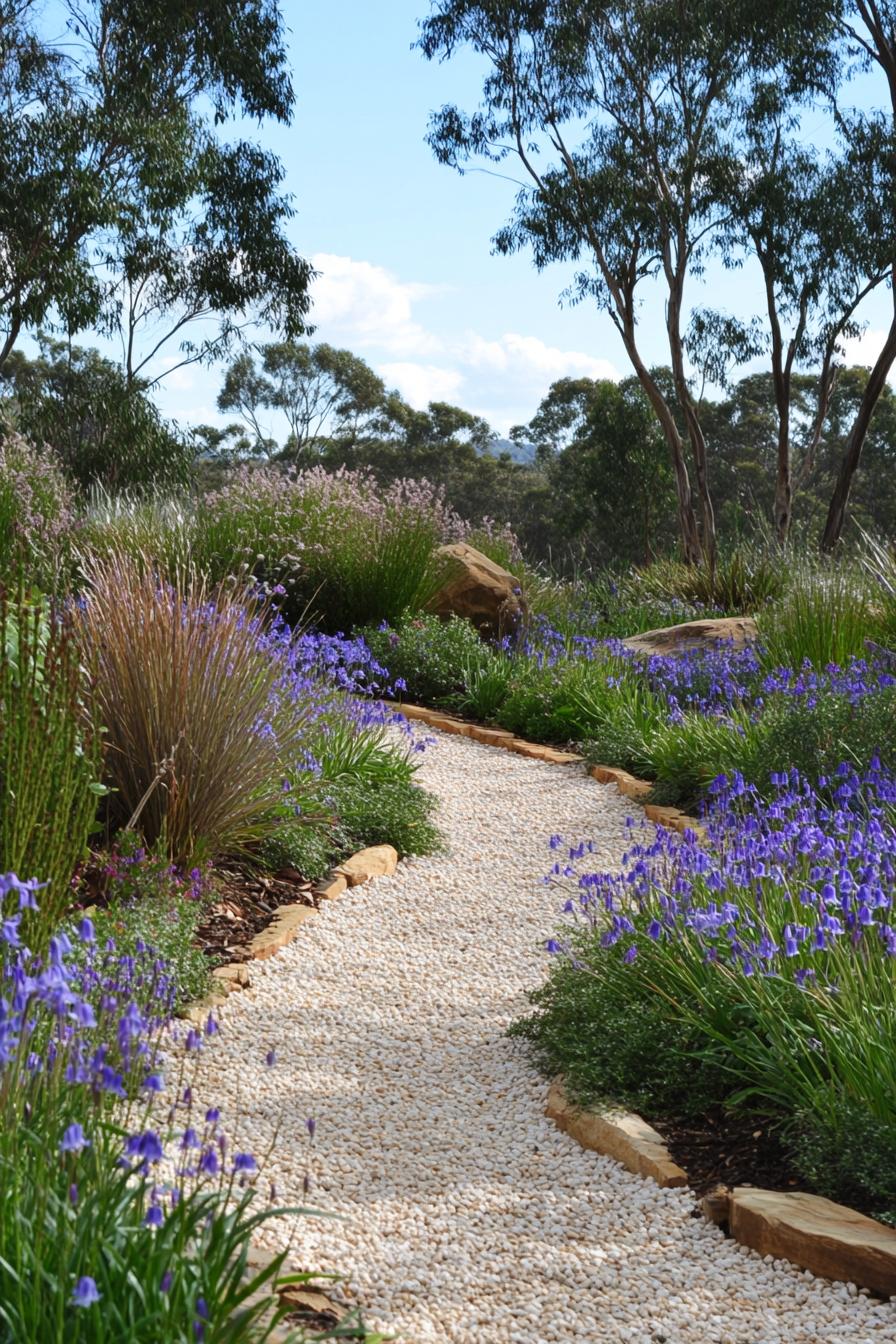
[(36, 511), (342, 549)]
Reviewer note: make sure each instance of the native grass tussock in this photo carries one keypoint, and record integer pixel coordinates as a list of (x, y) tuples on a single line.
[(197, 719)]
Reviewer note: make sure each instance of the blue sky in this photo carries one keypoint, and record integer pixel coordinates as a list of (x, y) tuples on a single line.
[(407, 278)]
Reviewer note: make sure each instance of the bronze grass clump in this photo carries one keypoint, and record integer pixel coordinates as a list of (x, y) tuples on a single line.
[(195, 717)]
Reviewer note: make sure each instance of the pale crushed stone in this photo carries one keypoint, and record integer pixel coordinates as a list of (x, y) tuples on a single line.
[(468, 1218)]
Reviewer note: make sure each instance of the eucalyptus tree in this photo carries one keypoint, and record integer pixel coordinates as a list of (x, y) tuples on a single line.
[(869, 28), (323, 393), (622, 116), (122, 207)]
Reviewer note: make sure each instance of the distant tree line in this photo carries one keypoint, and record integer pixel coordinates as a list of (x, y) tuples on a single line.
[(597, 488)]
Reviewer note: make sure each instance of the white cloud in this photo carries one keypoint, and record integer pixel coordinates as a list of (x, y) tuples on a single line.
[(515, 354), (865, 348), (371, 311), (422, 383), (363, 303)]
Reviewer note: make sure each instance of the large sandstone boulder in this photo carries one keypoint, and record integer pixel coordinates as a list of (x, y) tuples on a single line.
[(478, 589), (736, 631)]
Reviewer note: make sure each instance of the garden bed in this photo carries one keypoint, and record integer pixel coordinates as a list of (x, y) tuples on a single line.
[(246, 901)]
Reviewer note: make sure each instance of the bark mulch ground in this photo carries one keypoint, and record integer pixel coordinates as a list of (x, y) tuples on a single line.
[(244, 903)]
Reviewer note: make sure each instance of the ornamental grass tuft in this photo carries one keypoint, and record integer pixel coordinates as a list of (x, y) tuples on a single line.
[(199, 711)]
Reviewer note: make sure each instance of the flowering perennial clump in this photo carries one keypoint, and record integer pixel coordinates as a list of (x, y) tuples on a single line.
[(105, 1208), (774, 939)]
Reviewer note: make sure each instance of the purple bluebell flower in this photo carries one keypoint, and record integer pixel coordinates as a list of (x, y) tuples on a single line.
[(85, 1292)]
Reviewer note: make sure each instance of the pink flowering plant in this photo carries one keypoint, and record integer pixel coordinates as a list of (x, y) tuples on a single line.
[(344, 549), (37, 512)]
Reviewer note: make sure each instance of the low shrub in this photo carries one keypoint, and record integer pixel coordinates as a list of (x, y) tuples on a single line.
[(308, 845), (616, 1047), (144, 901), (389, 813), (50, 755), (426, 658)]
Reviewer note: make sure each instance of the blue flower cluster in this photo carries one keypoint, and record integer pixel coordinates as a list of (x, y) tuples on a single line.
[(82, 1027), (794, 887)]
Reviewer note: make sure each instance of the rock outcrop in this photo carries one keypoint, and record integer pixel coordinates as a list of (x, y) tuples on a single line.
[(479, 590), (736, 631)]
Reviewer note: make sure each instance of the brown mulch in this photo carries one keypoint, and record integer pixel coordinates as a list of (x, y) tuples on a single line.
[(245, 901), (728, 1148)]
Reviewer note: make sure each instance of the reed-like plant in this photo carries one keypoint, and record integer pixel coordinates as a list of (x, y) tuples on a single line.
[(50, 753), (828, 613), (195, 711)]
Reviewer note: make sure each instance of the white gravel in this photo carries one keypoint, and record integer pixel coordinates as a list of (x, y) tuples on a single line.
[(467, 1217)]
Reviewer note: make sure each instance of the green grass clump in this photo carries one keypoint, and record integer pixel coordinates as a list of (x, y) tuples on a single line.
[(827, 615), (50, 755)]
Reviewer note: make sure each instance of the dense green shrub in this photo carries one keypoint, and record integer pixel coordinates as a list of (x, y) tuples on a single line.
[(351, 813), (615, 1042), (427, 659), (847, 1154), (50, 754), (308, 845), (388, 813)]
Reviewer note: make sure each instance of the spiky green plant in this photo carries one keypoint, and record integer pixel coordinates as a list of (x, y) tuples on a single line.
[(50, 753)]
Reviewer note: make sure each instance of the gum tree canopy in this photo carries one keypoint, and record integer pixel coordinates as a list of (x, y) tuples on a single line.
[(653, 134), (122, 207)]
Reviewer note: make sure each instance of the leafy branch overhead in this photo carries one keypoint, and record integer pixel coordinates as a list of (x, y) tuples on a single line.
[(652, 136), (121, 207)]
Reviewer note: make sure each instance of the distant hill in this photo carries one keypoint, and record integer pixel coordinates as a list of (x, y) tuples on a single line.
[(524, 453)]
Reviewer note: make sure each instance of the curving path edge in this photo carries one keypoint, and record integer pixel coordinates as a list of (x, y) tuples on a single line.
[(466, 1217)]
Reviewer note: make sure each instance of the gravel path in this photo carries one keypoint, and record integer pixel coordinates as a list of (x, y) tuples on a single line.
[(468, 1218)]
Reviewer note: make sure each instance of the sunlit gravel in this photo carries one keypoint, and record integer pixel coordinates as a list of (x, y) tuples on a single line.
[(466, 1217)]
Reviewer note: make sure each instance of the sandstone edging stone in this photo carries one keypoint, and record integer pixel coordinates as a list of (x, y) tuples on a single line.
[(619, 1134)]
